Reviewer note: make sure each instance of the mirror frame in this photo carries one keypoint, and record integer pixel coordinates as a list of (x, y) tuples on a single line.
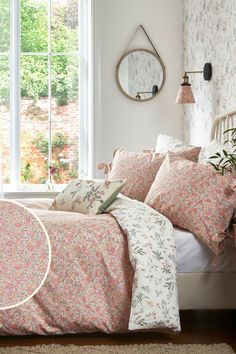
[(118, 67)]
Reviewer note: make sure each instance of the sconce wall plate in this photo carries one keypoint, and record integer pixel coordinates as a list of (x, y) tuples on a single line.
[(207, 71)]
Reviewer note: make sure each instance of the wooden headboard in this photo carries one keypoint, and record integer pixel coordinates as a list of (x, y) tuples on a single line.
[(222, 123)]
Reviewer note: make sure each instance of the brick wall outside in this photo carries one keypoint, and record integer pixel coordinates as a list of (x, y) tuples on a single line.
[(34, 122)]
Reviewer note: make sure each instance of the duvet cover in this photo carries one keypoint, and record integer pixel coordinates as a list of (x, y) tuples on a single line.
[(111, 272)]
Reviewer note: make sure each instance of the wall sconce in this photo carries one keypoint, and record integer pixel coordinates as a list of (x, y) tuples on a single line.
[(153, 92), (185, 94)]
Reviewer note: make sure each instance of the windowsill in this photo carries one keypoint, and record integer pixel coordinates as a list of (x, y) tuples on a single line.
[(28, 194), (31, 191)]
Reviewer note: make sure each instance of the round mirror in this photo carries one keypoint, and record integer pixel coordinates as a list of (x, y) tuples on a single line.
[(140, 74)]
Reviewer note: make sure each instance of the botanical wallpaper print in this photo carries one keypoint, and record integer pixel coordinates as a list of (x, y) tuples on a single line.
[(194, 197), (24, 254), (87, 196), (209, 35), (152, 254)]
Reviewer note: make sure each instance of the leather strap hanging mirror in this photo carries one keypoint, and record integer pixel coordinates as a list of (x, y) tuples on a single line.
[(140, 73)]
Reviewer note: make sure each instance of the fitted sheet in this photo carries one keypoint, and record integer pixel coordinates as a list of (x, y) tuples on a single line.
[(193, 256)]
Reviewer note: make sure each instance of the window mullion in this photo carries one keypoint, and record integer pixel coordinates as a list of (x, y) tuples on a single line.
[(15, 94)]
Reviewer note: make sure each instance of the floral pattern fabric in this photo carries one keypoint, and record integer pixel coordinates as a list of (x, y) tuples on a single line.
[(92, 286), (152, 254), (89, 285), (23, 238), (87, 196), (140, 169), (194, 197)]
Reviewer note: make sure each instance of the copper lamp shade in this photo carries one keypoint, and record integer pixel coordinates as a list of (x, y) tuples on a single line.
[(185, 95)]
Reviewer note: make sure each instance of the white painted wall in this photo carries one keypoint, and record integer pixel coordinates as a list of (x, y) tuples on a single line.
[(119, 121)]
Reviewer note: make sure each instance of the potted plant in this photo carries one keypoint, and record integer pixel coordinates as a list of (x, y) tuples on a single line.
[(225, 162), (26, 175)]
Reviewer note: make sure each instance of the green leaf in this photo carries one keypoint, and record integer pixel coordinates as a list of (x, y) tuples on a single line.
[(214, 157), (225, 153), (215, 167)]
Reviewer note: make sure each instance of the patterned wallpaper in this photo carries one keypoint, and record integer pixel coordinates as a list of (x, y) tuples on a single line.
[(209, 35)]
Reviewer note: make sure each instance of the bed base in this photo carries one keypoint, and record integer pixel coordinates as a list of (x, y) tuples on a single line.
[(207, 291)]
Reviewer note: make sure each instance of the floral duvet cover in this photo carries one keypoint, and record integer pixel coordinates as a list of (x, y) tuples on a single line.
[(111, 272)]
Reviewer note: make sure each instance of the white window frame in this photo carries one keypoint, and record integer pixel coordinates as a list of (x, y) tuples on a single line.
[(86, 137)]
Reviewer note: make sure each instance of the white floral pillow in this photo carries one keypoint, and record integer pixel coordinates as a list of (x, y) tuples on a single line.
[(210, 150), (166, 143), (87, 196)]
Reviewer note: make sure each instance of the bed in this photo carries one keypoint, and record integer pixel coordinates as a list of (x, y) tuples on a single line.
[(205, 287), (200, 285)]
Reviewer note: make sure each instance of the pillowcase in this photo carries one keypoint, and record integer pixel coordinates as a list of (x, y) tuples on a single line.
[(194, 197), (210, 150), (166, 143), (87, 196), (139, 170)]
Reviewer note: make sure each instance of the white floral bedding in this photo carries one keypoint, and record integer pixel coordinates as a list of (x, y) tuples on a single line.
[(153, 256)]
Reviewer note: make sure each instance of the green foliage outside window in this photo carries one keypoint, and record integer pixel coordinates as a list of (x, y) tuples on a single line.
[(34, 38)]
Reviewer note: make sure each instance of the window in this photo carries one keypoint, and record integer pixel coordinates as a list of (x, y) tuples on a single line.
[(40, 123)]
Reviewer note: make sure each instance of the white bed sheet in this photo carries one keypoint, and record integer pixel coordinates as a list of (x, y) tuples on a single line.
[(194, 256)]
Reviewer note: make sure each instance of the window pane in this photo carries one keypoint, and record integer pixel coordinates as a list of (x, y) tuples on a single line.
[(65, 118), (64, 27), (34, 25), (34, 119), (4, 26), (5, 116)]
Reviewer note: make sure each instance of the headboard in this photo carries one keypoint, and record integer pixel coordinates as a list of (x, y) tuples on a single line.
[(222, 123)]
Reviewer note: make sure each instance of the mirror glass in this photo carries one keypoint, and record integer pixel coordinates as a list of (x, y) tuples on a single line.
[(140, 74)]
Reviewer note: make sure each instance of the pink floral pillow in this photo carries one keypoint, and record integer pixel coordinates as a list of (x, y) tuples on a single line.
[(194, 197), (140, 169)]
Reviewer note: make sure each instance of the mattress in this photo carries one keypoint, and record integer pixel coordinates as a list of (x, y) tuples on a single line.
[(193, 256)]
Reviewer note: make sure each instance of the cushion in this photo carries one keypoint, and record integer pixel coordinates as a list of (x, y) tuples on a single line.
[(87, 196), (194, 197), (210, 150), (139, 170), (166, 143)]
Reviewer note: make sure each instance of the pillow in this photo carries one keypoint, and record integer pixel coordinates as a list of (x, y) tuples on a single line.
[(87, 196), (194, 197), (139, 170), (210, 150), (166, 143)]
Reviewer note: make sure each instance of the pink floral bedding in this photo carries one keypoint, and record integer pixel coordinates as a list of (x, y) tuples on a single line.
[(92, 285)]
